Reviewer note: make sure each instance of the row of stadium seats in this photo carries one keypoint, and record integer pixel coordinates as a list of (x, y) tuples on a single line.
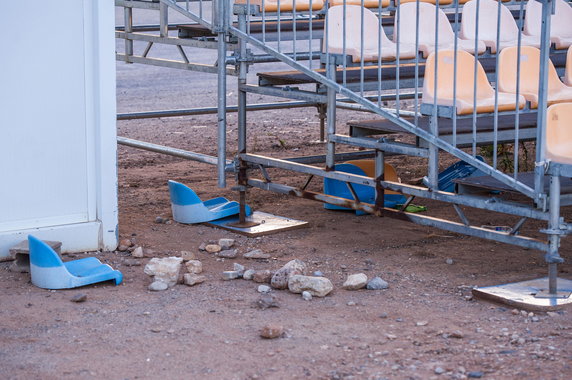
[(304, 5), (406, 30), (558, 92)]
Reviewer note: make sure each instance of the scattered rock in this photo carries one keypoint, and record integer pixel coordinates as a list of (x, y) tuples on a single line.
[(383, 315), (138, 252), (131, 263), (256, 254), (439, 371), (267, 301), (213, 248), (475, 375), (264, 289), (188, 255), (194, 266), (193, 279), (124, 245), (351, 303), (456, 334), (377, 283), (291, 268), (156, 329), (225, 243), (318, 274), (239, 268), (551, 314), (316, 286), (449, 262), (157, 286), (515, 312), (164, 269), (422, 323), (262, 276), (159, 220), (248, 274), (80, 297), (272, 331), (230, 275), (355, 281), (306, 295), (203, 247), (227, 253)]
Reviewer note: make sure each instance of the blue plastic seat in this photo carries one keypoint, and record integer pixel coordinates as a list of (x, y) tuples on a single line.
[(366, 194), (188, 208), (50, 272)]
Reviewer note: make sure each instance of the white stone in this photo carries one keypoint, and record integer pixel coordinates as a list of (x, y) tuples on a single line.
[(193, 279), (188, 255), (316, 286), (256, 254), (213, 248), (306, 295), (230, 275), (226, 243), (248, 274), (280, 278), (157, 286), (194, 266), (264, 289), (227, 253), (239, 268), (355, 281), (138, 252), (164, 269)]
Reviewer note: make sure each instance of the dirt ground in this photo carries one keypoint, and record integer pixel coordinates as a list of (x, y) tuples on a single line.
[(426, 325)]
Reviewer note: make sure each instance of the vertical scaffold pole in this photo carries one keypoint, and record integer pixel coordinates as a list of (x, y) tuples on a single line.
[(552, 257), (220, 27), (547, 10), (128, 21), (243, 70), (331, 116)]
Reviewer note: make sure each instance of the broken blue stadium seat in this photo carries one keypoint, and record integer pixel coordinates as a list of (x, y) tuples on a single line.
[(366, 194), (50, 272), (188, 208), (460, 169)]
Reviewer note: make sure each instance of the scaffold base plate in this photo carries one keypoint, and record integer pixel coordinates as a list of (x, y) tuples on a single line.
[(266, 224), (529, 295)]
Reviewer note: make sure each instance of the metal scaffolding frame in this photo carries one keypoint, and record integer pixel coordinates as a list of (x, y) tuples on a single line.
[(247, 27)]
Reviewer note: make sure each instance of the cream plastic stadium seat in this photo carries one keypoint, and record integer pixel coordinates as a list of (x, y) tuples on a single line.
[(559, 133), (407, 30), (568, 75), (558, 92), (366, 3), (465, 85), (488, 10), (441, 2), (335, 37), (285, 5), (560, 23)]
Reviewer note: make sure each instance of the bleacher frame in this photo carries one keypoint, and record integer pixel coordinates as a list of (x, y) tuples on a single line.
[(332, 93)]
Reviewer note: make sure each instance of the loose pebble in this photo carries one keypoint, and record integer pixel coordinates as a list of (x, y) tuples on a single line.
[(267, 301), (439, 371), (194, 266), (421, 323), (192, 279), (264, 289), (449, 261), (188, 255), (377, 283), (80, 297), (225, 243), (475, 375), (138, 252), (227, 253), (318, 274), (256, 254), (262, 276), (230, 275), (239, 268), (165, 269), (355, 281), (316, 286), (248, 274), (272, 331), (280, 278), (213, 248), (158, 286), (306, 295)]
